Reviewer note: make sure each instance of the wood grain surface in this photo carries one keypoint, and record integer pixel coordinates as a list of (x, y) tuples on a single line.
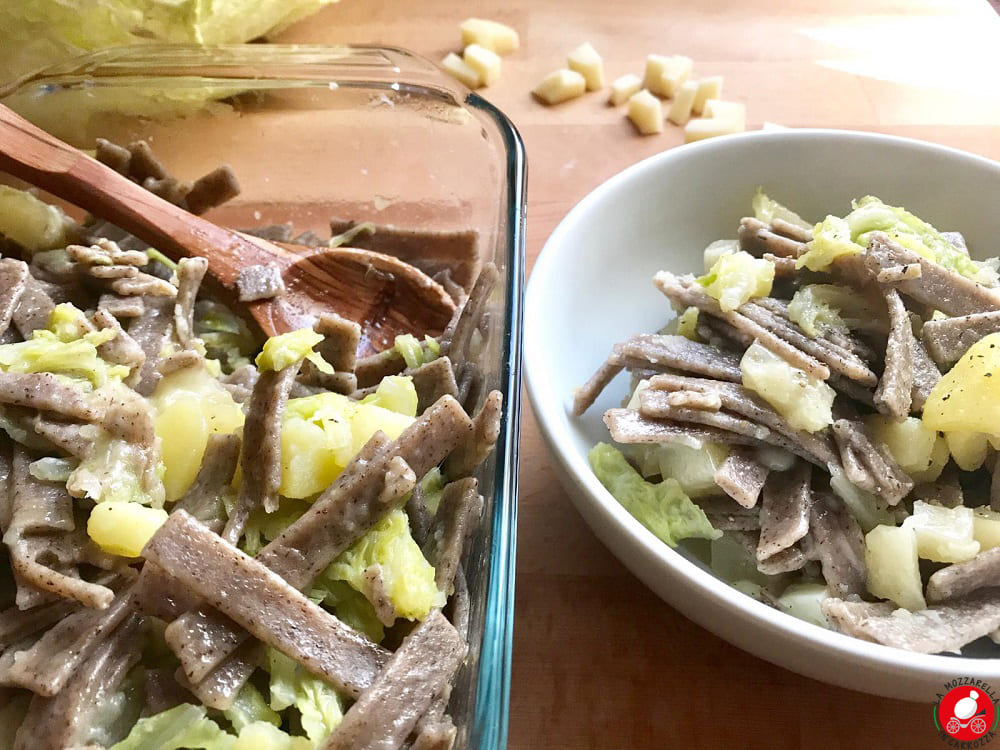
[(599, 661)]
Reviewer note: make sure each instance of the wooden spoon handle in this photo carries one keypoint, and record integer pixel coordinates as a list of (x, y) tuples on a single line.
[(31, 154)]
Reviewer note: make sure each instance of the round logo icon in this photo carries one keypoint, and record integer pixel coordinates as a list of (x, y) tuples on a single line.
[(965, 713)]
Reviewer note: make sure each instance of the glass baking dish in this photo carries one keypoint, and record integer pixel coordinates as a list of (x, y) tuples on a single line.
[(363, 133)]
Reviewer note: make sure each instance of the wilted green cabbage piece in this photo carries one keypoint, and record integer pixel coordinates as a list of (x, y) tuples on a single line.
[(663, 508), (737, 278), (45, 352), (249, 707), (39, 33), (407, 576), (812, 307), (767, 210), (834, 237), (183, 726), (318, 704), (281, 351)]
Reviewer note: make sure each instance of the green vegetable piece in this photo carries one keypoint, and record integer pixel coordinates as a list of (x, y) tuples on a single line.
[(687, 324), (737, 278), (281, 351), (318, 704), (410, 349), (767, 209), (346, 238), (178, 728), (396, 393), (831, 240), (45, 352), (834, 237), (159, 257), (662, 508), (349, 606), (250, 707), (811, 307), (407, 577)]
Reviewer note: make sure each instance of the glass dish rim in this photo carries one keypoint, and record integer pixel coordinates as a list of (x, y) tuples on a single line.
[(490, 715)]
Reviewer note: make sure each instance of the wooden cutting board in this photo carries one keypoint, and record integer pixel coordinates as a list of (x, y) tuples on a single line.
[(599, 661)]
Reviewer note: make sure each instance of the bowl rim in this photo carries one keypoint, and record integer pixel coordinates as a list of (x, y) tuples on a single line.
[(589, 490)]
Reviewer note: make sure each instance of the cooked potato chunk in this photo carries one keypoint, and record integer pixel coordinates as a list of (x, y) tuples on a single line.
[(623, 87), (893, 569), (968, 396), (190, 405), (967, 448), (484, 61), (123, 528), (807, 403), (560, 86), (30, 222), (986, 527), (943, 534), (680, 108), (460, 69), (918, 450), (585, 61), (492, 35)]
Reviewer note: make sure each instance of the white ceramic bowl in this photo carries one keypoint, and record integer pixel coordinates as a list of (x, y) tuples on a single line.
[(591, 287)]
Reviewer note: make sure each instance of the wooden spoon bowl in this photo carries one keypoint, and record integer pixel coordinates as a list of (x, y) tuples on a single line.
[(382, 293)]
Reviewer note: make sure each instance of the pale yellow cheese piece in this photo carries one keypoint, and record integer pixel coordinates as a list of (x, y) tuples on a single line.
[(708, 88), (665, 75), (460, 69), (645, 112), (710, 127), (559, 86), (585, 61), (492, 35), (734, 112), (484, 61), (680, 108), (623, 87)]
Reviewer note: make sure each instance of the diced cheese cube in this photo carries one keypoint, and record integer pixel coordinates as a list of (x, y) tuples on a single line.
[(893, 569), (986, 527), (702, 128), (484, 61), (708, 88), (585, 61), (733, 112), (665, 75), (943, 534), (623, 87), (559, 86), (460, 69), (645, 112), (967, 448), (680, 109), (492, 35)]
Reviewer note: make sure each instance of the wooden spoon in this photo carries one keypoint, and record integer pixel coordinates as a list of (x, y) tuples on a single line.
[(384, 294)]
